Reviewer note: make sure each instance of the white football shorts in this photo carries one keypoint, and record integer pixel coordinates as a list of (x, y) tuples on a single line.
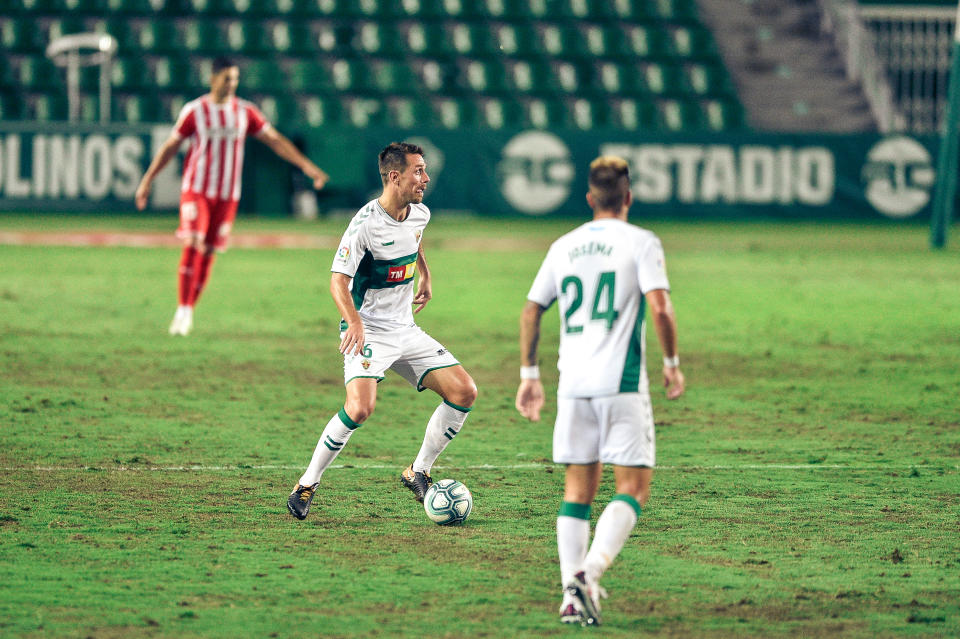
[(617, 429), (409, 352)]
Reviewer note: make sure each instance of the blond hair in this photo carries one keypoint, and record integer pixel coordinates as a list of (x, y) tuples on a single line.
[(609, 182)]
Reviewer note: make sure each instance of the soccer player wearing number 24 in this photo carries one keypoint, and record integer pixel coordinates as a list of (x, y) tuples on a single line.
[(372, 286), (604, 274), (217, 125)]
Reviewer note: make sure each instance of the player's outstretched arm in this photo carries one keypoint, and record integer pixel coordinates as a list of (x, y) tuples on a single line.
[(424, 289), (665, 323), (166, 153), (530, 398), (283, 147)]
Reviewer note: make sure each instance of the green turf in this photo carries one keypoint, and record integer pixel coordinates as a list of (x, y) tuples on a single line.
[(808, 482)]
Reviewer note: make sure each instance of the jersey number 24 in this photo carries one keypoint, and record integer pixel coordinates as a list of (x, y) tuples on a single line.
[(604, 296)]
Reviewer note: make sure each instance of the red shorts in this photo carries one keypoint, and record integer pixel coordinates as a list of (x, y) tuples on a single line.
[(210, 220)]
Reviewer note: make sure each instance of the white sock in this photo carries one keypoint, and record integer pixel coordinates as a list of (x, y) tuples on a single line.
[(573, 536), (613, 527), (443, 426), (332, 441)]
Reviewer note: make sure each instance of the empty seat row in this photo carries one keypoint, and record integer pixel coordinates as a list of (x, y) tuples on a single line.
[(512, 10), (352, 39)]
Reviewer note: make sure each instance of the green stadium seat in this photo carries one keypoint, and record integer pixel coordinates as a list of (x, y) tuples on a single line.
[(130, 73), (308, 77), (496, 113), (621, 79), (681, 115), (262, 75), (247, 37), (38, 73), (462, 9), (635, 115), (377, 9), (409, 113), (425, 39), (604, 42), (281, 109), (335, 39), (676, 10), (320, 110), (587, 114), (511, 10), (284, 9), (377, 39), (46, 107), (350, 76), (561, 41), (211, 7), (649, 42), (592, 10), (203, 36), (150, 8), (709, 79), (292, 38), (453, 113), (532, 77), (394, 78), (666, 79), (724, 115), (471, 40), (693, 42), (479, 76), (139, 107), (364, 112), (7, 82), (179, 75), (421, 9), (158, 36), (574, 77), (436, 77), (21, 35), (515, 40), (545, 113), (631, 10)]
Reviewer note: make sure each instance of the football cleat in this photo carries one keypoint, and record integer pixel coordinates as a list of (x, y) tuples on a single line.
[(182, 321), (570, 614), (587, 597), (299, 501), (416, 481)]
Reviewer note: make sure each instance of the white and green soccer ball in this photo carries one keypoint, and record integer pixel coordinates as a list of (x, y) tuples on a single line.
[(448, 502)]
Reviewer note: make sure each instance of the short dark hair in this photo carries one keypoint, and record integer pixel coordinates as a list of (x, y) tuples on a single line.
[(609, 182), (222, 62), (394, 157)]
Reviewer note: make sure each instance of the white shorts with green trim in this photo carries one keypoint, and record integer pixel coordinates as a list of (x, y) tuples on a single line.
[(409, 352), (617, 429)]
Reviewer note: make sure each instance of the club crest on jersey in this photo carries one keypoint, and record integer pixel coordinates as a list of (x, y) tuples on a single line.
[(400, 273), (365, 363)]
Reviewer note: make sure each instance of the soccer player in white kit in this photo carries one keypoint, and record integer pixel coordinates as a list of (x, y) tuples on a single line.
[(217, 125), (373, 287), (603, 275)]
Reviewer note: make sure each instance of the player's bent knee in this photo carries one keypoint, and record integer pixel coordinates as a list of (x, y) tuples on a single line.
[(359, 412), (464, 395)]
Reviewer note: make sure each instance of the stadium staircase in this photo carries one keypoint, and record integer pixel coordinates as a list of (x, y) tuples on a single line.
[(787, 72), (646, 65)]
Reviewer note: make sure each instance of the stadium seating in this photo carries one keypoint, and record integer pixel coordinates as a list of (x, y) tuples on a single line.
[(628, 64)]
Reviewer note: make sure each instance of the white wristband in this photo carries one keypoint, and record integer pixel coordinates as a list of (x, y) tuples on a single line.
[(671, 362), (529, 372)]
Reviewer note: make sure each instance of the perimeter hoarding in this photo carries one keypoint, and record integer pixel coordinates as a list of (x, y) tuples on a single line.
[(519, 172)]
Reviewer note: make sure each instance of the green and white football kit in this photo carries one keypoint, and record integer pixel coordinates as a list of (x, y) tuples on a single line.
[(380, 254), (599, 273)]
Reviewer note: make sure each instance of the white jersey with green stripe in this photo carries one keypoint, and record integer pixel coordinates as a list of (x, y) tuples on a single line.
[(600, 273), (380, 254)]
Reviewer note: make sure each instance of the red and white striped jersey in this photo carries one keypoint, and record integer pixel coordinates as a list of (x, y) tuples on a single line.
[(217, 133)]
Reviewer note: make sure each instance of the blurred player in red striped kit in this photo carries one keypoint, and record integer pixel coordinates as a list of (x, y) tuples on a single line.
[(217, 125)]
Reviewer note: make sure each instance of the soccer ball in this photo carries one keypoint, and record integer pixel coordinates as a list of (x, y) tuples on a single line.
[(448, 502)]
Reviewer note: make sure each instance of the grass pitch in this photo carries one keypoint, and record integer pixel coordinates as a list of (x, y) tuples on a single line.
[(808, 482)]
